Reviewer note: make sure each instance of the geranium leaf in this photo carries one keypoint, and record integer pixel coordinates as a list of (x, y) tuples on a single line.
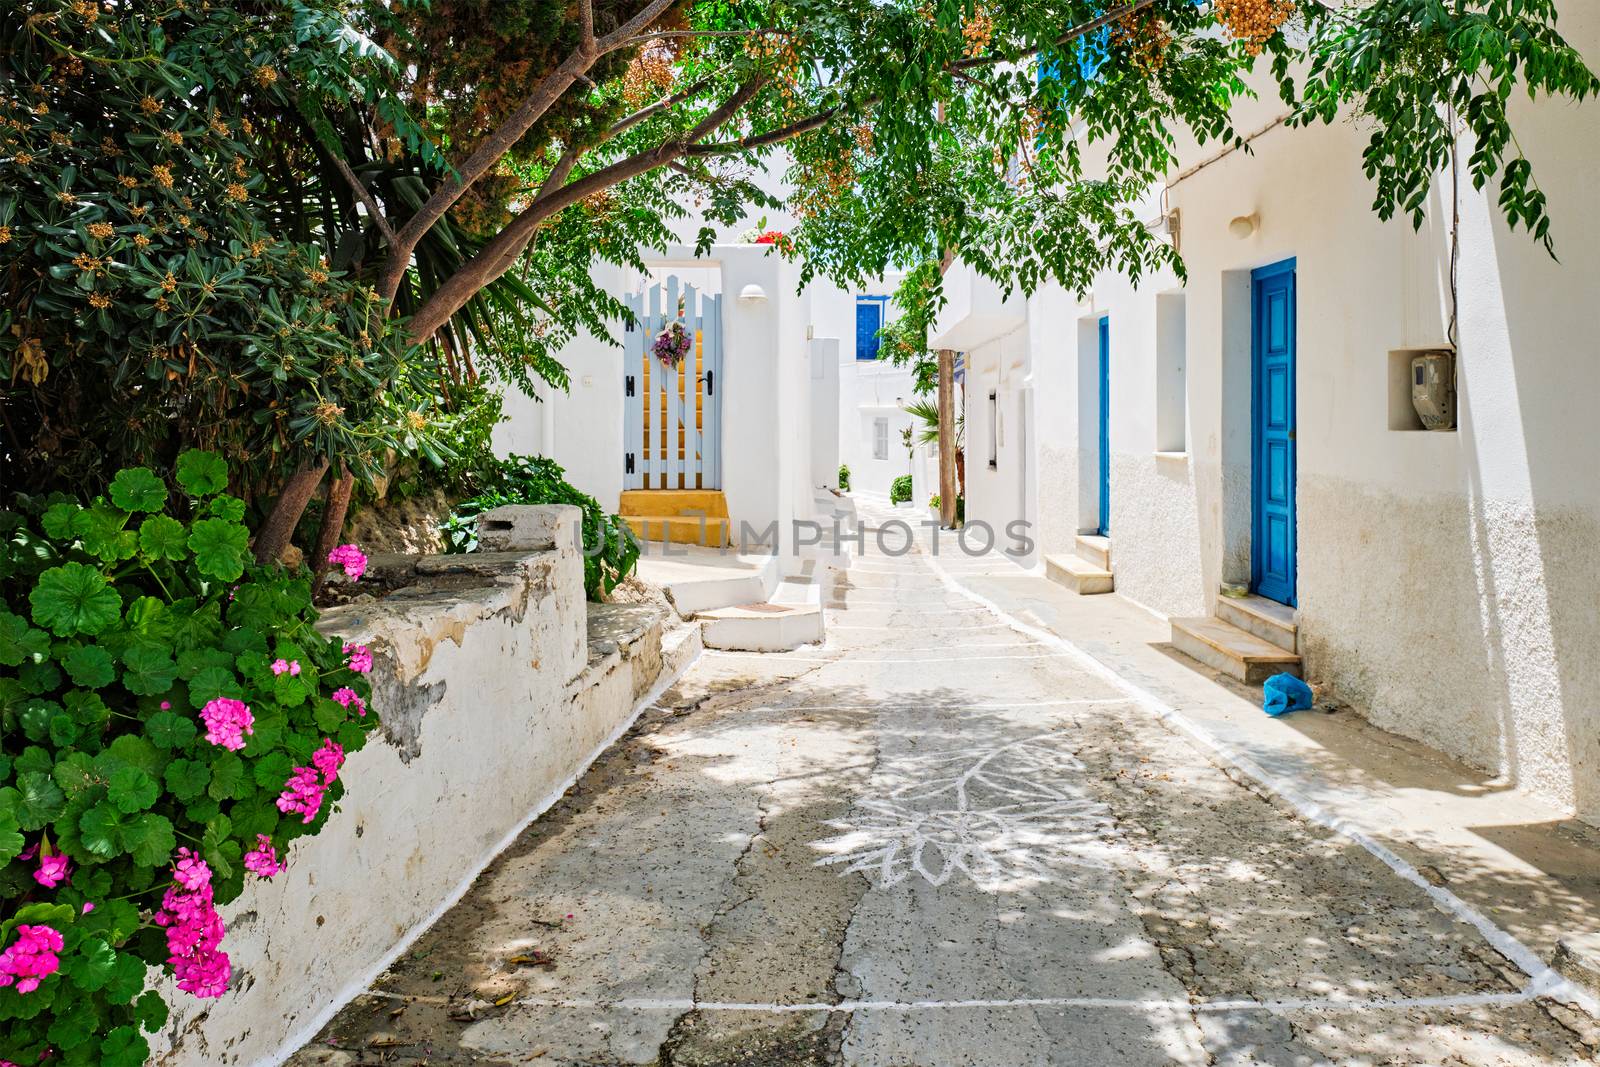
[(74, 599), (163, 537), (100, 830), (226, 507), (187, 778), (170, 730), (150, 838), (219, 548), (151, 1011), (57, 521), (202, 473), (132, 790), (39, 800), (89, 665), (104, 534), (148, 670), (138, 489), (19, 641)]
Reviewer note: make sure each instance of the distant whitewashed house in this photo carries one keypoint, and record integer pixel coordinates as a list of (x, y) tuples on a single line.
[(1243, 452)]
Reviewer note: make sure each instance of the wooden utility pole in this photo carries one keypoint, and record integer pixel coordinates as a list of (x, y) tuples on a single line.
[(947, 437)]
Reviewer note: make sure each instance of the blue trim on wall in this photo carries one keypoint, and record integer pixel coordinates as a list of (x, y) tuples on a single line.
[(1105, 426)]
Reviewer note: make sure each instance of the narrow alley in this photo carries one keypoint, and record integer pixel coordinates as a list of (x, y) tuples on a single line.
[(942, 838)]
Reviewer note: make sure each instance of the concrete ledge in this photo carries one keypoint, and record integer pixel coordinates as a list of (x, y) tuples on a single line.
[(492, 703)]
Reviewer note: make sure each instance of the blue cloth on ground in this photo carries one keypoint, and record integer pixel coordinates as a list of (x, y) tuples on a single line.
[(1285, 692)]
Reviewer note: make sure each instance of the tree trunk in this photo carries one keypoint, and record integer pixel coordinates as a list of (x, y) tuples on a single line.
[(276, 533), (332, 522), (947, 438)]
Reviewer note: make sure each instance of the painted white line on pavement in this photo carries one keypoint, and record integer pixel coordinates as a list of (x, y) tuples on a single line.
[(1148, 1006), (921, 627), (1544, 979), (775, 657)]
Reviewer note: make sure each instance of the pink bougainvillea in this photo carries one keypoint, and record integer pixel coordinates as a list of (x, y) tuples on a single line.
[(194, 929), (351, 559), (347, 696), (52, 870), (31, 958), (360, 658), (302, 794), (227, 721), (262, 861), (291, 667)]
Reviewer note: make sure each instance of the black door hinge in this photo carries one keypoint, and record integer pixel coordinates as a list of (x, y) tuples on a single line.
[(629, 386), (627, 463)]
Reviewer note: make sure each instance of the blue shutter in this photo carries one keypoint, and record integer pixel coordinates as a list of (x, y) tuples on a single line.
[(869, 320)]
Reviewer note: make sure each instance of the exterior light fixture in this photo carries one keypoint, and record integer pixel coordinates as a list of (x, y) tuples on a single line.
[(752, 294), (1244, 226)]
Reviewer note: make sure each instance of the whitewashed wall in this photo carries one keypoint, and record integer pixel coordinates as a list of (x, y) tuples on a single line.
[(1447, 582)]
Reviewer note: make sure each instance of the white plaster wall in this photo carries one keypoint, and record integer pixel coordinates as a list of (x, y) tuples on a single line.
[(997, 495), (487, 711), (581, 428), (868, 389), (1446, 581)]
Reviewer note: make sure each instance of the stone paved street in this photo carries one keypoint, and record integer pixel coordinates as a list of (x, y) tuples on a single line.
[(937, 841)]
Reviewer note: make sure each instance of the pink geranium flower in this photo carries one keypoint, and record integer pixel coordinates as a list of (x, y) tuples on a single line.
[(52, 870), (31, 958), (262, 861), (302, 794), (351, 559), (194, 929), (360, 658), (227, 721), (291, 667), (328, 759), (347, 696)]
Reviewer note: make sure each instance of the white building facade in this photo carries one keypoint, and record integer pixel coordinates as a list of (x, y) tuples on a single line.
[(1259, 431)]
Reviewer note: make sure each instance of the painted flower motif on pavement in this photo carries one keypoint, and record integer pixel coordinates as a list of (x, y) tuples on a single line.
[(1003, 818)]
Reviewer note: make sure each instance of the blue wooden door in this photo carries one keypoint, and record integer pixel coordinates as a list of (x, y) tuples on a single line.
[(1105, 426), (1272, 545)]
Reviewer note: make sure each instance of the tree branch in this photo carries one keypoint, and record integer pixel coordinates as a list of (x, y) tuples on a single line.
[(498, 256), (366, 198), (628, 121), (508, 133)]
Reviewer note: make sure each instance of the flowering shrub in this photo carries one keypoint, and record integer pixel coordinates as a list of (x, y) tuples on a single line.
[(171, 721)]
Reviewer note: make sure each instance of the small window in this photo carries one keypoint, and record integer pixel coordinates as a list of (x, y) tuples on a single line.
[(880, 438), (869, 321)]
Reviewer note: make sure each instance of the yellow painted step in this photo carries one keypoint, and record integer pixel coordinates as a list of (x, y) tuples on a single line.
[(712, 533), (685, 503)]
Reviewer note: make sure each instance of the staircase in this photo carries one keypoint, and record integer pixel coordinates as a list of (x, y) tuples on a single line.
[(1248, 638), (1088, 570), (679, 516)]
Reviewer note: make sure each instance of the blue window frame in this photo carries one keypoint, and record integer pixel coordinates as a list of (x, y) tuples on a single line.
[(869, 320)]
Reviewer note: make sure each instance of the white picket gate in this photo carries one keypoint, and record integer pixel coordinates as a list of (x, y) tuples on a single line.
[(673, 422)]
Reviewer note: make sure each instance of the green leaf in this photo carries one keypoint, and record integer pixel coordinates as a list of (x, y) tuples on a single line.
[(132, 790), (150, 838), (40, 676), (87, 708), (100, 830), (11, 840), (202, 473), (187, 779), (125, 1046), (75, 774), (137, 752), (226, 507), (127, 982), (149, 670), (74, 599), (58, 520), (150, 1010), (170, 730), (89, 665), (270, 772), (19, 641), (227, 777), (90, 967), (104, 535), (209, 683), (163, 537), (39, 800), (138, 489), (74, 1022), (219, 548)]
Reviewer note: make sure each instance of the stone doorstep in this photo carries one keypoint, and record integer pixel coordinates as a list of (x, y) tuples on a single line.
[(1267, 619), (1092, 548), (1238, 654), (1078, 575)]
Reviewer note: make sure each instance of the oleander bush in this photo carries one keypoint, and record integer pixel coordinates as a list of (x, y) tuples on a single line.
[(171, 721)]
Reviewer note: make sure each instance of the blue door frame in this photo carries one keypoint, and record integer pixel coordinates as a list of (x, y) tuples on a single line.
[(1272, 418), (1105, 426)]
